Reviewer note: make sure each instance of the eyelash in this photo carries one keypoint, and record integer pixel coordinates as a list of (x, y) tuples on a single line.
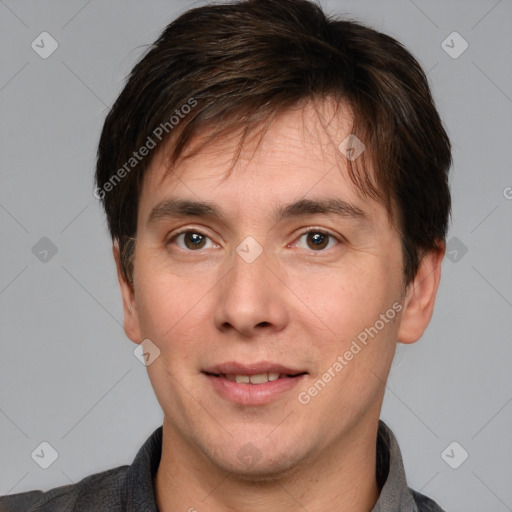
[(309, 231)]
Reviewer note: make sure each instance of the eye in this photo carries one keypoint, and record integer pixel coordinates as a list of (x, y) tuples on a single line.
[(192, 240), (317, 240)]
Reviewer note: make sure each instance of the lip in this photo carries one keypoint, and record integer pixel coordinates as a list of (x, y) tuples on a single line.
[(251, 368), (252, 394)]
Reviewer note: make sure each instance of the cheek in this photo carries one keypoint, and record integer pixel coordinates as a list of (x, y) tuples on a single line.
[(354, 363), (351, 297), (169, 306), (358, 304)]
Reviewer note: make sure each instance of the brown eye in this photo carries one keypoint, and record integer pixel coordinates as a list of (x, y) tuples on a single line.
[(192, 240), (317, 240)]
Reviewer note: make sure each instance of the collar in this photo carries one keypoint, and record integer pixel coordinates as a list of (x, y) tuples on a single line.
[(394, 492), (139, 493)]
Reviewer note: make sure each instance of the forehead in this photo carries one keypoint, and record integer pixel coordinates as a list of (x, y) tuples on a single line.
[(297, 156)]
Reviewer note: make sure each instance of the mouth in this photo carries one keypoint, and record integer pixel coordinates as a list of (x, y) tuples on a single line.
[(253, 384), (259, 378)]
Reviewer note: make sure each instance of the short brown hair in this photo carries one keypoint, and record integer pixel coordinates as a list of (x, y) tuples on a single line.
[(236, 65)]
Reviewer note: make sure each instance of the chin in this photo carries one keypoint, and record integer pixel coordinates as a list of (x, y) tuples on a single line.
[(249, 465)]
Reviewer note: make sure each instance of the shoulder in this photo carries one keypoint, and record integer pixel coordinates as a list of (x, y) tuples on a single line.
[(101, 491), (424, 503)]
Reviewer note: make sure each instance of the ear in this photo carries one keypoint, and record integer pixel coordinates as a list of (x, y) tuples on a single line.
[(421, 295), (131, 318)]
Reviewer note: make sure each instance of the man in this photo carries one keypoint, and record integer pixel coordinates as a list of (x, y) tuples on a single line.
[(275, 183)]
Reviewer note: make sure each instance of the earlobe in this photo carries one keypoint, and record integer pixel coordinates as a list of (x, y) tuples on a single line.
[(131, 319), (420, 296)]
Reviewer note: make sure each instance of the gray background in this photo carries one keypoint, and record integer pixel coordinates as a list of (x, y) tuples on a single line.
[(68, 375)]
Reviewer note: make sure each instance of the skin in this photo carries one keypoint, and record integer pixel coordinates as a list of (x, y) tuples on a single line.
[(295, 304)]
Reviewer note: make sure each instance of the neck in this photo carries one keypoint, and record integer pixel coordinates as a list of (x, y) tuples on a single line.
[(341, 478)]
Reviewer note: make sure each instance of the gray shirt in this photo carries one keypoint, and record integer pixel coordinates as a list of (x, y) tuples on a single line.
[(130, 488)]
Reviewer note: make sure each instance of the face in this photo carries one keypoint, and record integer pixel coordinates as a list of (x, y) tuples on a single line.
[(276, 306)]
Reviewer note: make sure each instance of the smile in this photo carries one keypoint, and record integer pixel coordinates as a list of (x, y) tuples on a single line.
[(260, 378), (249, 385)]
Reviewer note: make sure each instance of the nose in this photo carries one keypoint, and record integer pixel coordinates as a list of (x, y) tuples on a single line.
[(251, 298)]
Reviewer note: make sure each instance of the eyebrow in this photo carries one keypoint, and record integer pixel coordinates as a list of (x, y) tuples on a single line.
[(180, 208)]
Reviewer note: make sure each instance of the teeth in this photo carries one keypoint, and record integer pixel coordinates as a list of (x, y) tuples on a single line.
[(259, 379), (253, 379)]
